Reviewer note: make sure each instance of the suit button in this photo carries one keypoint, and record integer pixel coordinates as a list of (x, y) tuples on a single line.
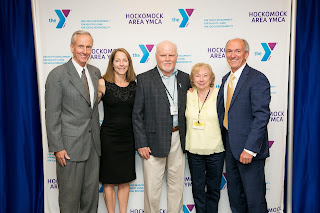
[(89, 131)]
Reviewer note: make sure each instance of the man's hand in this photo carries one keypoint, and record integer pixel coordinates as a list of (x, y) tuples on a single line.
[(144, 152), (190, 90), (61, 157), (245, 157)]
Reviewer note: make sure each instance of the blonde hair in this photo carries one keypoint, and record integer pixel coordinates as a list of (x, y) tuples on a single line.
[(196, 69), (109, 75)]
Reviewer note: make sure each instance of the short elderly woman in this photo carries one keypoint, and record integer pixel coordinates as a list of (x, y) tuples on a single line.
[(203, 141)]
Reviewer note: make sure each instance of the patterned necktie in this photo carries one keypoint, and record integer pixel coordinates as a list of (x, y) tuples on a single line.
[(85, 81), (229, 97)]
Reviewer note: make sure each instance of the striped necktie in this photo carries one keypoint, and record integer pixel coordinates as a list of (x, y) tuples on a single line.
[(85, 81)]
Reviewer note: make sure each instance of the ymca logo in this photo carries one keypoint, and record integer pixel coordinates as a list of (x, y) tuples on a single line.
[(53, 184), (62, 14), (185, 13), (188, 208), (270, 144), (146, 49), (276, 116), (268, 47), (223, 181)]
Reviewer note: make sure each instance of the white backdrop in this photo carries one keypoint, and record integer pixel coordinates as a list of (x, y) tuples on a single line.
[(200, 29)]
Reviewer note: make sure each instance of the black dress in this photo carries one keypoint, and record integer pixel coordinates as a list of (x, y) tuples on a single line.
[(117, 162)]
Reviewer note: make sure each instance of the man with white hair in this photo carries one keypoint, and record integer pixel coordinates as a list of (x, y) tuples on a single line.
[(160, 127)]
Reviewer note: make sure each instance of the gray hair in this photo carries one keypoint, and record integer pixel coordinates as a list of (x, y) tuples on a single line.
[(79, 32), (246, 44)]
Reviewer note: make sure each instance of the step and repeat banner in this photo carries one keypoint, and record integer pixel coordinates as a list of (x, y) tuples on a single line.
[(200, 29)]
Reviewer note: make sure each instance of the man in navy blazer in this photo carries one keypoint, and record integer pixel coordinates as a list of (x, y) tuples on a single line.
[(159, 126), (244, 130)]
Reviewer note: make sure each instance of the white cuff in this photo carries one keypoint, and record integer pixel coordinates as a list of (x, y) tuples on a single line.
[(250, 152)]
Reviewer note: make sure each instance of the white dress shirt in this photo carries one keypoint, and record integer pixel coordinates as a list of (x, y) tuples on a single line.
[(79, 70)]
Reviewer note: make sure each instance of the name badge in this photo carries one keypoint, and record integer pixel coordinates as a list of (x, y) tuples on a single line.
[(174, 110), (198, 124)]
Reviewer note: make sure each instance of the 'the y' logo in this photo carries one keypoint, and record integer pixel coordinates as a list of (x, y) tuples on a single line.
[(270, 143), (268, 47), (185, 16), (62, 14), (223, 181), (188, 208), (146, 49)]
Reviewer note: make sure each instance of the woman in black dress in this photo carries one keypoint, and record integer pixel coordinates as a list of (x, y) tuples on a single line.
[(117, 163)]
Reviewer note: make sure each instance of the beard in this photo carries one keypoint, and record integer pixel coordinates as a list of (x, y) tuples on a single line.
[(167, 69)]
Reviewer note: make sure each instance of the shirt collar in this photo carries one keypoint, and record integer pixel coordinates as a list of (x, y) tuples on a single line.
[(78, 67), (174, 73), (237, 74)]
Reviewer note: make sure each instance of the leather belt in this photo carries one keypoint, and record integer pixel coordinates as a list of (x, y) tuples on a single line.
[(176, 128)]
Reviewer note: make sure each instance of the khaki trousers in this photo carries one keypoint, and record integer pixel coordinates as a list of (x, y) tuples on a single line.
[(153, 172)]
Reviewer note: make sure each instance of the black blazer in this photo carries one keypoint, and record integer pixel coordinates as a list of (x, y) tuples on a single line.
[(152, 121)]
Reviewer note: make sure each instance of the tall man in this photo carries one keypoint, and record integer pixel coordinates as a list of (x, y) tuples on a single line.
[(73, 129), (243, 110), (160, 128)]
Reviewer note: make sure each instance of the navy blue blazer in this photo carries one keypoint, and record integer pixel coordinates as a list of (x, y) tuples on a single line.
[(248, 114)]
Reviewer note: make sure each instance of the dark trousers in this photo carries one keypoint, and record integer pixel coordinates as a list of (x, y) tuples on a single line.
[(246, 184), (206, 171)]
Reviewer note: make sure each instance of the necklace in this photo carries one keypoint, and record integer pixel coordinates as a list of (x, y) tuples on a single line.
[(202, 103)]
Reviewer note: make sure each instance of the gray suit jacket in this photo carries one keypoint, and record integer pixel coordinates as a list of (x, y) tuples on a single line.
[(70, 121), (152, 121)]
